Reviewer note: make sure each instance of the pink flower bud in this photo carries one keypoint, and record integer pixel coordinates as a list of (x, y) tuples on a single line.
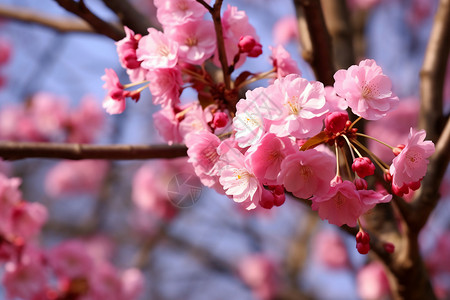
[(398, 149), (360, 184), (246, 43), (414, 185), (336, 121), (279, 199), (256, 51), (387, 177), (363, 248), (363, 166), (220, 119), (400, 191), (389, 247), (266, 200), (362, 237)]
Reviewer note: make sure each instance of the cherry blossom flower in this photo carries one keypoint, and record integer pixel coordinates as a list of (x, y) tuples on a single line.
[(283, 62), (156, 50), (372, 282), (334, 102), (196, 40), (411, 164), (307, 173), (303, 107), (238, 180), (25, 280), (75, 177), (341, 205), (202, 152), (70, 260), (167, 124), (27, 219), (165, 86), (126, 49), (366, 89), (266, 156), (179, 12), (251, 117), (114, 103), (285, 30), (193, 119), (259, 272)]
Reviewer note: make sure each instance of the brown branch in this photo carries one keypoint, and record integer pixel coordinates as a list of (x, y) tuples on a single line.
[(130, 16), (17, 150), (97, 24), (220, 43), (319, 56), (338, 21), (57, 23), (432, 74)]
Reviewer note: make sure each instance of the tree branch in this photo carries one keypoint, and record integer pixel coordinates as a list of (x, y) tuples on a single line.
[(319, 56), (17, 150), (57, 23), (432, 74), (98, 25), (130, 16), (428, 196)]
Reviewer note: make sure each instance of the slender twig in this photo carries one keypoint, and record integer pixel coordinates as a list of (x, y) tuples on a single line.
[(60, 24), (17, 150), (320, 57), (99, 25), (432, 75)]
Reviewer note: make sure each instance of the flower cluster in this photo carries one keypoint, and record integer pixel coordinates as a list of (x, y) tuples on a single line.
[(275, 138)]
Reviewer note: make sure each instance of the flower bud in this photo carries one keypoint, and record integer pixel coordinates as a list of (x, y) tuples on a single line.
[(266, 200), (360, 184), (363, 166), (246, 43), (398, 149), (336, 121), (362, 237), (220, 119), (389, 247), (363, 248), (256, 51)]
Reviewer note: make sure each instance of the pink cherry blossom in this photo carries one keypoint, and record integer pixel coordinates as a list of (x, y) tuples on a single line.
[(27, 219), (258, 271), (10, 197), (126, 49), (112, 106), (302, 104), (196, 40), (157, 50), (114, 102), (285, 30), (26, 280), (307, 173), (341, 205), (193, 119), (366, 89), (179, 12), (167, 123), (165, 86), (266, 156), (133, 283), (202, 152), (370, 198), (329, 249), (75, 177), (149, 192), (372, 282), (411, 164), (238, 180), (334, 102), (251, 117), (70, 260), (86, 122), (283, 62)]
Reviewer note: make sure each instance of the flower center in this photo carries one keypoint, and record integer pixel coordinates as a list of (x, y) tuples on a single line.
[(339, 200), (163, 50)]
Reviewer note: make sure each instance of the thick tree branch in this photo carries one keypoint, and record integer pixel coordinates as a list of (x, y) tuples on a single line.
[(130, 16), (319, 56), (433, 73), (337, 19), (14, 151), (57, 23), (98, 25)]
